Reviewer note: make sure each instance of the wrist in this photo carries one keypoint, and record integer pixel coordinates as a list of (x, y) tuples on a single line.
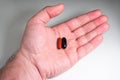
[(36, 60), (19, 68)]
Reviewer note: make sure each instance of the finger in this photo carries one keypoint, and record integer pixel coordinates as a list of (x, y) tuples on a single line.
[(65, 29), (90, 26), (81, 20), (84, 50), (91, 35), (47, 13)]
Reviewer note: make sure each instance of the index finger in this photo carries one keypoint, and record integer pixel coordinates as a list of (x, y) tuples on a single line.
[(77, 22)]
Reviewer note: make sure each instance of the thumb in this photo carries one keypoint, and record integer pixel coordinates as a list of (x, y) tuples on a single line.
[(47, 13)]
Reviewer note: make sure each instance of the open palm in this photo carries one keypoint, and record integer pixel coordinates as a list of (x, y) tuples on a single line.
[(83, 34)]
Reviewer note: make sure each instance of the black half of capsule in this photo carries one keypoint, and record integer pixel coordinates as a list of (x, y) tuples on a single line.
[(64, 43)]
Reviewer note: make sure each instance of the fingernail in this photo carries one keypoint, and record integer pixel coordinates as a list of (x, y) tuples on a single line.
[(106, 26), (98, 12), (104, 18)]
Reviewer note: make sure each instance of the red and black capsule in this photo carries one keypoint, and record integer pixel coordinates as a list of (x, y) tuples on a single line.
[(61, 43)]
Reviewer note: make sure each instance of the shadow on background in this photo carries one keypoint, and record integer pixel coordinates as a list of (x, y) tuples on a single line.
[(13, 35)]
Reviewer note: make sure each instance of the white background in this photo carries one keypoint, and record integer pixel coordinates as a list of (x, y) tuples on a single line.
[(101, 64)]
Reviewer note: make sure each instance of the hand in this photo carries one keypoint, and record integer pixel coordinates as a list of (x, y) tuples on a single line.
[(83, 34)]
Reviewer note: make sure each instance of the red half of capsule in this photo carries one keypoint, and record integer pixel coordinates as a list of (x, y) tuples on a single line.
[(59, 43)]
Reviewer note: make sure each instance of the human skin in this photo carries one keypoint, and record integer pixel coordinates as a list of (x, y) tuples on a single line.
[(38, 57)]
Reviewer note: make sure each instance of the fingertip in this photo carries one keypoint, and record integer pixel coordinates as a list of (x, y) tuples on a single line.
[(103, 19), (60, 5), (98, 12), (107, 18), (95, 14), (106, 26), (100, 38), (55, 10)]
